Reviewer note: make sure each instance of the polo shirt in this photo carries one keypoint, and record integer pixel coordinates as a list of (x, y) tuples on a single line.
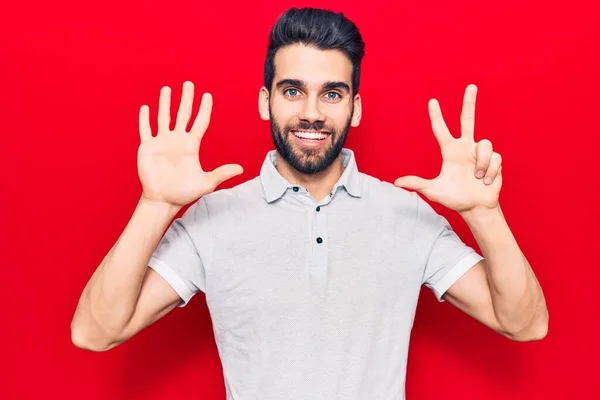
[(312, 299)]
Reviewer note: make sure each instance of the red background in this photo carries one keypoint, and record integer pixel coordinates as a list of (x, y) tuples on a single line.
[(73, 76)]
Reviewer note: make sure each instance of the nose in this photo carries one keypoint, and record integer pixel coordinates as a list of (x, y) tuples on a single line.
[(311, 111)]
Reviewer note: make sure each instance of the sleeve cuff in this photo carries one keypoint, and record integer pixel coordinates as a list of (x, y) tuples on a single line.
[(169, 275), (454, 274)]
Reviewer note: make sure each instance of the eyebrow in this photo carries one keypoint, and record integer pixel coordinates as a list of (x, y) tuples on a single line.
[(327, 85)]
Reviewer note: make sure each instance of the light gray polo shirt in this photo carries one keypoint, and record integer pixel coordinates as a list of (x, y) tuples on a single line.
[(312, 300)]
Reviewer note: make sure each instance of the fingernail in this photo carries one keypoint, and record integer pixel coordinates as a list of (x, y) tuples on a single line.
[(480, 174), (488, 180)]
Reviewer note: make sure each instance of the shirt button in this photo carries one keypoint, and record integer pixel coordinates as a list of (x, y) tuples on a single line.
[(318, 208), (296, 188), (319, 240)]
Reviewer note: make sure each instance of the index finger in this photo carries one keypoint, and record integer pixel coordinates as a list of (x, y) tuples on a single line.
[(203, 118), (440, 129)]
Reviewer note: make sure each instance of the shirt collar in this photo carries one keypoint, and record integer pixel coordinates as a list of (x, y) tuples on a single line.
[(275, 185)]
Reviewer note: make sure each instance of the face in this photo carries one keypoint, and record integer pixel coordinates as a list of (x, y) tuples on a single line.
[(311, 106)]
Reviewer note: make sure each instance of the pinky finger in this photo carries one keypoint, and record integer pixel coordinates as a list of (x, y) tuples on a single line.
[(493, 169), (144, 123)]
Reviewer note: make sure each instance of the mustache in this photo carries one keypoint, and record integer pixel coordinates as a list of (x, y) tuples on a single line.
[(308, 126)]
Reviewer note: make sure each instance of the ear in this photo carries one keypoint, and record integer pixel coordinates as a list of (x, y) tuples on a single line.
[(357, 113), (263, 104)]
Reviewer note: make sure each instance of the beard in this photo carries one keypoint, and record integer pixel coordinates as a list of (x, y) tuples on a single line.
[(305, 160)]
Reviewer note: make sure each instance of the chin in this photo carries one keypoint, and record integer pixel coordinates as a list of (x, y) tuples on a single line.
[(310, 165)]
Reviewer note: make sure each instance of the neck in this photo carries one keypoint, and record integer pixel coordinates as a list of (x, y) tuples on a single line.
[(318, 185)]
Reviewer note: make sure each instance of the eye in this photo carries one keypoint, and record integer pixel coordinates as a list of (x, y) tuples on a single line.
[(333, 96), (291, 92)]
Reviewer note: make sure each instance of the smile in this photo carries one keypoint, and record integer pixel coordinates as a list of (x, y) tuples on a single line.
[(311, 135)]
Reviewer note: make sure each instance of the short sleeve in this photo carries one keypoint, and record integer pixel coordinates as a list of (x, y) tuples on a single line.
[(180, 257), (447, 257)]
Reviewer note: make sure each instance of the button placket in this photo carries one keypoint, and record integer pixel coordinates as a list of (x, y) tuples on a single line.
[(319, 265), (302, 196)]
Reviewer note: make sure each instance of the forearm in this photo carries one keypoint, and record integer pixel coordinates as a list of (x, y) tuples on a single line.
[(108, 301), (517, 297)]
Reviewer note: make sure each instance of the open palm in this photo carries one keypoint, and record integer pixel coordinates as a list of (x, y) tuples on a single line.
[(470, 177), (168, 163)]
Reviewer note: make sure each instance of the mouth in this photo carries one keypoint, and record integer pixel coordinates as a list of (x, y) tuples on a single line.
[(311, 136)]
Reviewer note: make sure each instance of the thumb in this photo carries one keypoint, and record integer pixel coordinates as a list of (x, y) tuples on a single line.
[(413, 183), (224, 172)]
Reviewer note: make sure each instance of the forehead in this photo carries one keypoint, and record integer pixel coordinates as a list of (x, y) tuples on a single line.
[(312, 65)]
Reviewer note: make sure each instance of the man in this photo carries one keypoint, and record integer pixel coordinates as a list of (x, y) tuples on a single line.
[(311, 270)]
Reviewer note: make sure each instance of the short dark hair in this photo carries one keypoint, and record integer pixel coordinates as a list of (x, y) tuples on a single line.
[(320, 28)]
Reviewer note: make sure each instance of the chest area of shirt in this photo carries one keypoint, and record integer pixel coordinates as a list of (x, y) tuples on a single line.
[(283, 266)]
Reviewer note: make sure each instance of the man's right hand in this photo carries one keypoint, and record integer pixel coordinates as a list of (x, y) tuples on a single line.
[(168, 163)]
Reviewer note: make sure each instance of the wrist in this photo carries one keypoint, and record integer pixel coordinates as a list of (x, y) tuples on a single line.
[(481, 215), (158, 207)]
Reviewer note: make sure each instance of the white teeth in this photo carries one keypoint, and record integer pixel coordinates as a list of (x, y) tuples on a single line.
[(310, 135)]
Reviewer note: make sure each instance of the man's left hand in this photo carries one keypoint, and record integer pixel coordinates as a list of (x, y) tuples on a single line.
[(470, 178)]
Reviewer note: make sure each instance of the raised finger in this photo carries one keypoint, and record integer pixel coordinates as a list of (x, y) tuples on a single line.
[(184, 114), (484, 155), (493, 169), (144, 123), (203, 117), (467, 116), (438, 125), (164, 110)]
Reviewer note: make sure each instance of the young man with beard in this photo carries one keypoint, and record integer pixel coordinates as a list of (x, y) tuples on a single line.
[(311, 270)]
